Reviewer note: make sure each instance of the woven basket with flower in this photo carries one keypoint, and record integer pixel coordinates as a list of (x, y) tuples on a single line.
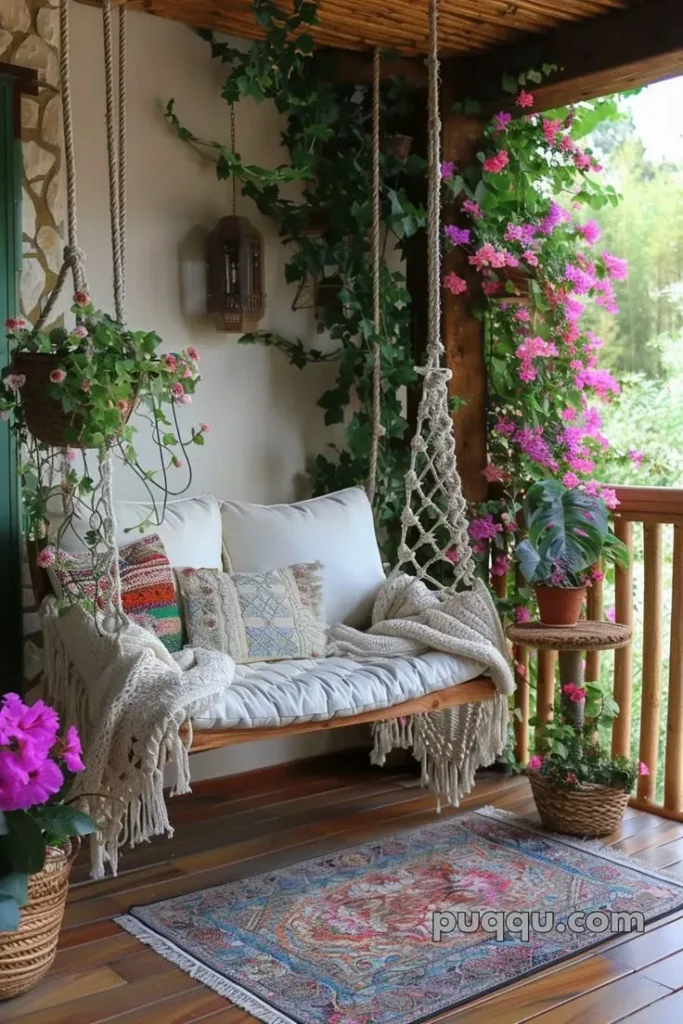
[(37, 829)]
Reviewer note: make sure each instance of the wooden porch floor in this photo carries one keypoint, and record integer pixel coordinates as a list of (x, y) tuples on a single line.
[(247, 824)]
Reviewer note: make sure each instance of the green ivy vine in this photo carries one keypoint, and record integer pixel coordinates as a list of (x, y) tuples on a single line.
[(327, 230)]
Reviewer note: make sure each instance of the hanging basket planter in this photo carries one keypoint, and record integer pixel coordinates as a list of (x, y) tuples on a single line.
[(44, 415), (26, 954)]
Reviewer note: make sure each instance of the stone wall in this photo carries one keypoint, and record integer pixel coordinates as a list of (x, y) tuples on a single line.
[(29, 37)]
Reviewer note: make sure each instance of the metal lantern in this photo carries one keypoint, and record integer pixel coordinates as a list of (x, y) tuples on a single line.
[(235, 275)]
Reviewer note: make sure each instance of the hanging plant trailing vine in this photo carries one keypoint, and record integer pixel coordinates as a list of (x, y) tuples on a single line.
[(328, 139)]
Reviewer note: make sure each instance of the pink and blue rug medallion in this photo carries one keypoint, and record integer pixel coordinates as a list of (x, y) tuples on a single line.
[(348, 938)]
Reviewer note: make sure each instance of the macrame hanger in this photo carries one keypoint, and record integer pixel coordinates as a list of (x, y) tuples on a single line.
[(434, 518), (376, 408)]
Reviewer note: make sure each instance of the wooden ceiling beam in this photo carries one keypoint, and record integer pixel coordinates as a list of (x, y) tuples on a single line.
[(622, 49)]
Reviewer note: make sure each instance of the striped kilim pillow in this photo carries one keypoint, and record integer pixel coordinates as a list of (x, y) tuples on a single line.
[(147, 590)]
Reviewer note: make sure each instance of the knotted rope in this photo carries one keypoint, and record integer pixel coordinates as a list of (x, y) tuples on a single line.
[(376, 274), (434, 519)]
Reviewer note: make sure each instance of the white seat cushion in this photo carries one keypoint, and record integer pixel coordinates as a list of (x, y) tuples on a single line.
[(335, 529), (281, 693), (190, 532)]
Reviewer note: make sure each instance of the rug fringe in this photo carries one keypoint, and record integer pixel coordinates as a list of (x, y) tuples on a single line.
[(594, 846), (200, 972)]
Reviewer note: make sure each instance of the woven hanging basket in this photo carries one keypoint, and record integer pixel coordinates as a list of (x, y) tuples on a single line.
[(44, 416), (26, 955), (585, 810)]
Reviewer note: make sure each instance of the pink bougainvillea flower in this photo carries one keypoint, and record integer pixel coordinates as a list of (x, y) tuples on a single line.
[(80, 331), (615, 267), (46, 558), (177, 389), (597, 575), (447, 169), (491, 287), (85, 385), (609, 496), (193, 353), (500, 565), (525, 99), (591, 231), (568, 689), (522, 614), (452, 555), (474, 209), (522, 316), (456, 235), (514, 233), (170, 361), (71, 750), (535, 762), (496, 163), (494, 474), (570, 480), (582, 160), (643, 768), (57, 376), (636, 457), (454, 284), (568, 414), (15, 381), (530, 257), (81, 299), (610, 614), (550, 130), (501, 120), (578, 695), (484, 528)]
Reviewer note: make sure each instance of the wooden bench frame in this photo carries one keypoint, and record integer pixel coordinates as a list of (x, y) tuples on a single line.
[(481, 688)]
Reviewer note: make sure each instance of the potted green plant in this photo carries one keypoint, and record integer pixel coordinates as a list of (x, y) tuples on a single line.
[(568, 532), (70, 390), (37, 826), (578, 787)]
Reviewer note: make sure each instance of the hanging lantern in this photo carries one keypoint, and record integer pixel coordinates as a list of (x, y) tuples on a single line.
[(234, 258)]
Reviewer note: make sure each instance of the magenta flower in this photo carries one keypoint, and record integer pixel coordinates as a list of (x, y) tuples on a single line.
[(177, 389), (484, 528), (474, 209), (456, 235), (494, 474), (616, 268), (447, 169), (496, 163), (530, 257), (643, 768), (501, 120), (452, 556), (522, 614), (582, 160), (491, 287), (170, 362), (591, 231), (525, 99), (500, 565), (570, 480), (72, 750), (609, 496), (550, 130), (571, 779), (193, 354), (535, 762), (46, 558), (636, 457), (43, 782), (454, 284), (15, 323)]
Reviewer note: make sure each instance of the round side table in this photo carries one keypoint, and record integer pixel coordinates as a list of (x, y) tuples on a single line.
[(571, 642)]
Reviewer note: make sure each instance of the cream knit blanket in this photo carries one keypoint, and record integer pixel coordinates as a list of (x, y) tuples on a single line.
[(129, 698)]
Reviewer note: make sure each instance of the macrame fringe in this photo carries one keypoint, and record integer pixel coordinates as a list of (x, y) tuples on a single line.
[(63, 686), (200, 972), (450, 745)]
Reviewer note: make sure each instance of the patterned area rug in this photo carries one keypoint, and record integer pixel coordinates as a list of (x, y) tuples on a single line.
[(349, 938)]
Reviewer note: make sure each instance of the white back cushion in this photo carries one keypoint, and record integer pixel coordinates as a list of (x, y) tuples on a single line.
[(335, 529), (191, 530)]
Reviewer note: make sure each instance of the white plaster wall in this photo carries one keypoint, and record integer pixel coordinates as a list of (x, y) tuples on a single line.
[(262, 412)]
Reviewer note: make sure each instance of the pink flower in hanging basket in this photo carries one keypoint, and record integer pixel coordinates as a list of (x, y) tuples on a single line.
[(193, 354), (496, 163), (170, 361), (81, 299), (15, 381), (80, 331), (452, 556), (501, 120), (571, 779), (85, 385), (16, 323), (474, 209), (447, 169), (58, 376), (525, 99), (177, 390), (454, 284)]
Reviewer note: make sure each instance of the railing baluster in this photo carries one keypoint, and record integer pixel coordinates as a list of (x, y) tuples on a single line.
[(595, 609), (521, 724), (545, 685), (673, 775), (653, 602), (623, 658)]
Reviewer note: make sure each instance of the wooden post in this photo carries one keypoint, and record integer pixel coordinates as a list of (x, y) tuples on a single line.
[(463, 333), (653, 599), (623, 657), (673, 773)]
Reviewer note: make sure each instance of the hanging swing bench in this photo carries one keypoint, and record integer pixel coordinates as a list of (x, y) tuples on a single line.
[(140, 708)]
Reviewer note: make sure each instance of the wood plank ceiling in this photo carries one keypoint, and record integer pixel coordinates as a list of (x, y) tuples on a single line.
[(466, 26)]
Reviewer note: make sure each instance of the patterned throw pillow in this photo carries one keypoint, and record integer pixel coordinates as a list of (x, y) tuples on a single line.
[(256, 616), (147, 590)]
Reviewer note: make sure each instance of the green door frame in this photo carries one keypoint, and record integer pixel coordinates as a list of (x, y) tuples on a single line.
[(11, 639)]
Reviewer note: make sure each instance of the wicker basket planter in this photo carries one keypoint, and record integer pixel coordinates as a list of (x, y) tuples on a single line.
[(45, 417), (585, 810), (26, 955)]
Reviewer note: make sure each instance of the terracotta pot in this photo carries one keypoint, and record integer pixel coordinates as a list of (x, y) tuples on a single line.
[(399, 145), (45, 417), (560, 606)]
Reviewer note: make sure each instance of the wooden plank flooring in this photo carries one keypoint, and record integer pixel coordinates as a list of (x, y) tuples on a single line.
[(235, 827)]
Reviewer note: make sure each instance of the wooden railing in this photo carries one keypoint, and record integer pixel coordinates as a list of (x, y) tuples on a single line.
[(643, 516)]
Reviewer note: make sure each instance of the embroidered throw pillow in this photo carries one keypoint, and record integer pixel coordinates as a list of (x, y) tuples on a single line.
[(256, 616), (147, 590)]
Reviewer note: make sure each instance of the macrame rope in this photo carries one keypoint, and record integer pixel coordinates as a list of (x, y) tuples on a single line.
[(376, 274), (113, 161), (434, 519), (122, 148)]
